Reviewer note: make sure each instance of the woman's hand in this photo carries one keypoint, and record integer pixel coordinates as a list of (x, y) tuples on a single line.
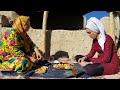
[(84, 63), (82, 59), (38, 54), (33, 59)]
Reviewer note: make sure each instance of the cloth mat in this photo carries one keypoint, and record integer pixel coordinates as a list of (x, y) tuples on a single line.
[(51, 72)]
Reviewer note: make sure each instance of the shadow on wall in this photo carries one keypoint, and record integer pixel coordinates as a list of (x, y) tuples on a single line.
[(67, 20), (5, 21), (36, 18)]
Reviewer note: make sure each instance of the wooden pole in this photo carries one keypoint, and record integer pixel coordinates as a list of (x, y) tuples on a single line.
[(84, 22), (117, 29), (112, 26), (44, 24)]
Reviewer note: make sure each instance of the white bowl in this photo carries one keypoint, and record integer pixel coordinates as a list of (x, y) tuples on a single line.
[(54, 61)]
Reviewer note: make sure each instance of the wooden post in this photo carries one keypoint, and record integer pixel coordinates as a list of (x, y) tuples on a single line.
[(117, 29), (112, 26), (84, 22), (44, 24)]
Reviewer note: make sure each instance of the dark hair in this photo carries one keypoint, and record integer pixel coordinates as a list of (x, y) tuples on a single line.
[(61, 54)]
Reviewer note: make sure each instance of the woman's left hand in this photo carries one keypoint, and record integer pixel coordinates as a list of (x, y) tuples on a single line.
[(38, 54)]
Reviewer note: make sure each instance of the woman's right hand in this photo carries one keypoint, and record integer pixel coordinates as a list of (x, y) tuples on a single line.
[(83, 63), (33, 59), (82, 59), (38, 53)]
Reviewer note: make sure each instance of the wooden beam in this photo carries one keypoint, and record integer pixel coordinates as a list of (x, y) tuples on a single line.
[(117, 28), (112, 25), (84, 21), (44, 26)]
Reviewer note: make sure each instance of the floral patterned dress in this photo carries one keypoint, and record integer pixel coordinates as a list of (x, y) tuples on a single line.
[(12, 54)]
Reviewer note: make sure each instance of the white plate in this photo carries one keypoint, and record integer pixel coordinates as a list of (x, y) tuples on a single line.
[(54, 61)]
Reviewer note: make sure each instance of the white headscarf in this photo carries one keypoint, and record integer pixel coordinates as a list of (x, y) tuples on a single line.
[(95, 25)]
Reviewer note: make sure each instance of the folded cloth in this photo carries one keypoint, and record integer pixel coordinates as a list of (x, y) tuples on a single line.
[(1, 74), (80, 74), (27, 73), (76, 75), (8, 73)]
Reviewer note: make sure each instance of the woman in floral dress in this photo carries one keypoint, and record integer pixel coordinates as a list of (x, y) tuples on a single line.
[(16, 47)]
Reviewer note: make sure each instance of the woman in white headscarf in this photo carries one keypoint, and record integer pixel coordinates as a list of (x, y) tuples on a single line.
[(107, 61)]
